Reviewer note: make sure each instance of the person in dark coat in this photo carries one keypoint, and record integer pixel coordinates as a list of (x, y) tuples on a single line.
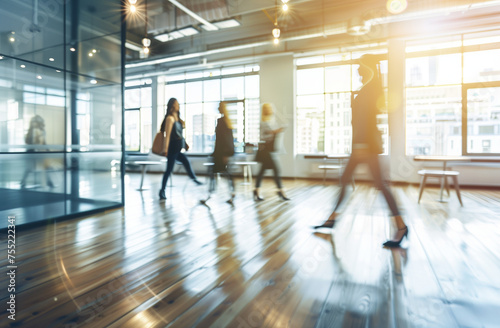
[(367, 143), (223, 150)]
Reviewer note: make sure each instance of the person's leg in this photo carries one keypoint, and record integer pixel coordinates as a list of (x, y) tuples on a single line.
[(380, 183), (181, 157), (274, 166), (170, 167), (258, 181), (344, 181), (230, 183)]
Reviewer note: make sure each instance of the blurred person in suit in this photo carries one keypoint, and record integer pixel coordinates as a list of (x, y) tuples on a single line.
[(367, 143), (223, 150)]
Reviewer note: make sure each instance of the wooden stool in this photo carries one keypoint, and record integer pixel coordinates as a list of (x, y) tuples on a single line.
[(442, 175)]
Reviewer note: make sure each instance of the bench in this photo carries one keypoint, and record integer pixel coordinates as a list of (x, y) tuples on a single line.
[(443, 176)]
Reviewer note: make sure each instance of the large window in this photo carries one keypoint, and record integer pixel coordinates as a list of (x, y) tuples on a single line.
[(325, 86), (138, 116), (199, 94), (453, 95)]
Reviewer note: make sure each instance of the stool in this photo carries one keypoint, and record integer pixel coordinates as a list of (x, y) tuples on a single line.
[(326, 167), (442, 175)]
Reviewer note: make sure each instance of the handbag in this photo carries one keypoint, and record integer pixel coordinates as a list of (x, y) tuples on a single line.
[(159, 144)]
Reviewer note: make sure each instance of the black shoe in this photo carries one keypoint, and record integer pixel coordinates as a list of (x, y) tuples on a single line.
[(282, 195), (162, 194), (327, 224), (231, 200), (256, 196), (198, 182), (395, 243)]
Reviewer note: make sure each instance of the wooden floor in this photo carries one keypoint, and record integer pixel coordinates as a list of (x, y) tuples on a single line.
[(177, 263)]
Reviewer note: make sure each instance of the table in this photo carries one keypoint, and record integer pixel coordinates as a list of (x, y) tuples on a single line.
[(247, 170), (444, 172), (144, 165)]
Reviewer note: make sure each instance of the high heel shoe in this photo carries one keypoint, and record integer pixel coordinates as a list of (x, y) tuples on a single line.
[(327, 224), (282, 195), (231, 200), (256, 196), (395, 243), (162, 194)]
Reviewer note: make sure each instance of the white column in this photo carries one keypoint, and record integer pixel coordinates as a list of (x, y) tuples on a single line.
[(276, 87)]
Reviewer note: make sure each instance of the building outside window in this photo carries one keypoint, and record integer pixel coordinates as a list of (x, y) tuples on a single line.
[(453, 95), (199, 94), (138, 116), (325, 87)]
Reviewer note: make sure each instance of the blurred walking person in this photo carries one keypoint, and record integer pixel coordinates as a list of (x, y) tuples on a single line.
[(266, 154), (367, 144), (223, 150), (173, 126)]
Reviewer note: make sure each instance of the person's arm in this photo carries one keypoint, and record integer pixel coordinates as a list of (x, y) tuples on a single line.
[(169, 125)]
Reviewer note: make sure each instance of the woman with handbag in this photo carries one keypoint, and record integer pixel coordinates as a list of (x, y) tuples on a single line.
[(223, 150), (172, 127), (266, 152), (367, 143)]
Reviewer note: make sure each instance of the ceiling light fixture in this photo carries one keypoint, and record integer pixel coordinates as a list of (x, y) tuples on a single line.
[(146, 42), (396, 6), (208, 26)]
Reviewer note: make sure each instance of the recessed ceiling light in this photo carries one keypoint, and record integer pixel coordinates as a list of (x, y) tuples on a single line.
[(72, 49), (51, 59), (162, 37), (91, 54), (94, 51), (23, 66), (93, 81), (188, 31), (1, 57), (176, 34), (39, 77), (58, 71), (226, 23)]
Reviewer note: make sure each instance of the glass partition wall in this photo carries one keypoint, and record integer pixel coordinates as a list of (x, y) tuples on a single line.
[(60, 109)]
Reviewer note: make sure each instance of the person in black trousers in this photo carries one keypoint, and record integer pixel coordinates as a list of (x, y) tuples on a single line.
[(223, 150), (172, 126), (266, 152), (367, 143)]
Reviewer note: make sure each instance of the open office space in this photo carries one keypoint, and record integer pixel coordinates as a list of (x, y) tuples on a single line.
[(88, 240)]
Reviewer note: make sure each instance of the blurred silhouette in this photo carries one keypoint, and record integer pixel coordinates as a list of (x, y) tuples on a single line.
[(223, 150), (36, 136), (266, 153), (367, 143), (172, 126)]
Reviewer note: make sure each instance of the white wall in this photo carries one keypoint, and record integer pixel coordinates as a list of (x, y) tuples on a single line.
[(276, 87)]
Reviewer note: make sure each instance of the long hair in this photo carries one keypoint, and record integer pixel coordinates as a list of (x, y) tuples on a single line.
[(170, 106), (225, 115), (267, 112)]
